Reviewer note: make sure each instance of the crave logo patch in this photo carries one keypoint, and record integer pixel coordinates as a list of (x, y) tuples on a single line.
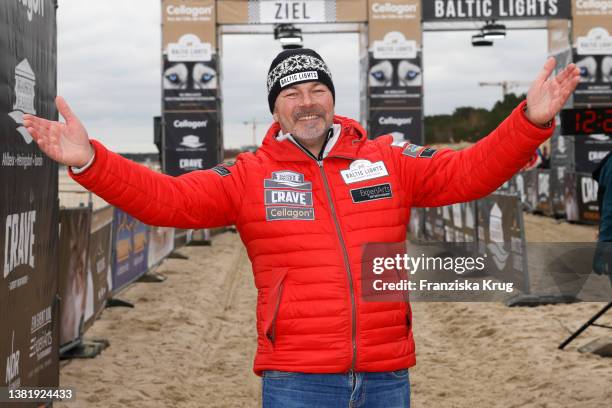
[(300, 76), (371, 193), (287, 196), (301, 198), (361, 170)]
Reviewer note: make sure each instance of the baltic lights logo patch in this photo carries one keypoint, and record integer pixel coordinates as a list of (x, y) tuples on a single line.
[(25, 81)]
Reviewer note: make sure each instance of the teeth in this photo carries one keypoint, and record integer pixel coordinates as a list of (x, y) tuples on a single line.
[(308, 117)]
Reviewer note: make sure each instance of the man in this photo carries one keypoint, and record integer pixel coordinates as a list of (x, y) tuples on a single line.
[(304, 204)]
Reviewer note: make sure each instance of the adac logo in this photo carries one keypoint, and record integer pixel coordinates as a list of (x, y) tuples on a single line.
[(12, 366), (287, 178), (192, 142), (25, 81)]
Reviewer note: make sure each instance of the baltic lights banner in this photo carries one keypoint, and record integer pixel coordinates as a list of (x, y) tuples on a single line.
[(29, 235), (592, 51), (440, 10), (190, 83), (395, 80)]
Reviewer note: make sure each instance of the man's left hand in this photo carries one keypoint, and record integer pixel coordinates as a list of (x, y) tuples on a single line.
[(548, 94)]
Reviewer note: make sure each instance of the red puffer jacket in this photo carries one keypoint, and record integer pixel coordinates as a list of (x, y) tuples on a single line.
[(304, 223)]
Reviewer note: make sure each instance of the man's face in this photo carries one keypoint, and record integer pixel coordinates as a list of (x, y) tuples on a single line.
[(305, 110)]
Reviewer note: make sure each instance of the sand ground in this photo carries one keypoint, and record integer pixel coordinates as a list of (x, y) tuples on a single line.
[(190, 342)]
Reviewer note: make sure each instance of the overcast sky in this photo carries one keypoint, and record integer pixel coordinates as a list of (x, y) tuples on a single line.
[(109, 71)]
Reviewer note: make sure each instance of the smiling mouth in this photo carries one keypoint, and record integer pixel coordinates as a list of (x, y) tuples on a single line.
[(310, 117)]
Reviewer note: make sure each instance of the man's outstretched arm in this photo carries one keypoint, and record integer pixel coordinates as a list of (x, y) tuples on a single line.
[(445, 177), (195, 200)]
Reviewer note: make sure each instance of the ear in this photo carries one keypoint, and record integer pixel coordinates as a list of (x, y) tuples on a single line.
[(275, 115)]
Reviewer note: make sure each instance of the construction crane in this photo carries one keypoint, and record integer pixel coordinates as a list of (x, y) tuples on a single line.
[(506, 86), (253, 123)]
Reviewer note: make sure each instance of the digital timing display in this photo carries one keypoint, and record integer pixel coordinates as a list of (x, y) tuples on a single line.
[(586, 121)]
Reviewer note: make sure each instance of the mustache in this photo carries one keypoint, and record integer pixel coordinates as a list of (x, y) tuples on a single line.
[(316, 111)]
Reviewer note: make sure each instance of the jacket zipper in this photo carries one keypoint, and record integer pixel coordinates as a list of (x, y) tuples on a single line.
[(344, 251), (346, 263)]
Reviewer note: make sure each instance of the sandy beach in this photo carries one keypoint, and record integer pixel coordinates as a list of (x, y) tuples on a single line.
[(190, 342)]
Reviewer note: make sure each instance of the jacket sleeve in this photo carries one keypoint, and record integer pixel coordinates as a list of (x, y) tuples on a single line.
[(441, 177), (200, 199)]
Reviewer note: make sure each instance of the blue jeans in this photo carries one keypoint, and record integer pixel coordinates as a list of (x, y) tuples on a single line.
[(282, 389)]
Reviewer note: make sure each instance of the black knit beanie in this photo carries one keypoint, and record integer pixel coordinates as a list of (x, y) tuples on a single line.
[(296, 66)]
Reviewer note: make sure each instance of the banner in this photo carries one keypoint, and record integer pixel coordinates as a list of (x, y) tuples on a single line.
[(544, 200), (592, 52), (190, 85), (161, 244), (29, 237), (190, 81), (74, 243), (590, 151), (130, 249), (478, 10), (99, 277), (291, 11), (191, 142), (557, 184), (501, 237), (395, 80), (562, 151), (527, 189), (588, 208), (560, 48)]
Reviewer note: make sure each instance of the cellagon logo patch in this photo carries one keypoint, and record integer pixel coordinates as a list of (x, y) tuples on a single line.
[(361, 170), (300, 76), (371, 193), (289, 213), (287, 178), (411, 150)]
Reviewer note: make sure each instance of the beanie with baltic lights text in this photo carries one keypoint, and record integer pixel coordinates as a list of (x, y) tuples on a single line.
[(296, 66)]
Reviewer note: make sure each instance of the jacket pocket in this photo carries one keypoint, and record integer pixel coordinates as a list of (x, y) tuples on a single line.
[(273, 304)]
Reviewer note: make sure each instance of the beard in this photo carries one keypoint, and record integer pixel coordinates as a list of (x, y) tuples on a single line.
[(310, 130)]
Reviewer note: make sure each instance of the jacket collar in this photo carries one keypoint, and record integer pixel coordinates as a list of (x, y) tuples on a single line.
[(352, 137)]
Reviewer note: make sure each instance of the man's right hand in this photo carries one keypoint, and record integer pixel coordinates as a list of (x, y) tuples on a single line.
[(66, 143)]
